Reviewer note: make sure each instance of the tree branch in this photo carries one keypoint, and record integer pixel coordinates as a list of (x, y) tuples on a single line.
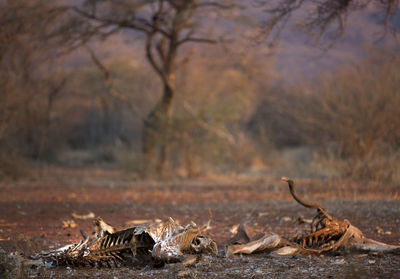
[(196, 40), (109, 21), (110, 88), (150, 56), (205, 125), (219, 5)]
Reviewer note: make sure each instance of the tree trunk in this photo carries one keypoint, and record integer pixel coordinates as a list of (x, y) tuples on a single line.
[(155, 135)]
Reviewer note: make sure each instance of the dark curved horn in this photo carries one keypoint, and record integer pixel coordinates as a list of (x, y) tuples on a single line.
[(300, 201)]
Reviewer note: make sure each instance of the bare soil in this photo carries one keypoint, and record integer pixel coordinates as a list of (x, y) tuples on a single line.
[(32, 214)]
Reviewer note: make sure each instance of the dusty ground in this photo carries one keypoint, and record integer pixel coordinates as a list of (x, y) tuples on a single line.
[(32, 215)]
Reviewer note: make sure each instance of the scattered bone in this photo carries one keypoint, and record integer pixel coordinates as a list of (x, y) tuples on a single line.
[(234, 229), (287, 219), (141, 222), (286, 250), (191, 260), (69, 224), (267, 242), (326, 234), (90, 215), (184, 274), (102, 227), (261, 214), (379, 230), (300, 220)]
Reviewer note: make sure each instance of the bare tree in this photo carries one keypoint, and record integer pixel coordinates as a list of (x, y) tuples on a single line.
[(323, 17), (27, 88), (23, 50), (167, 25)]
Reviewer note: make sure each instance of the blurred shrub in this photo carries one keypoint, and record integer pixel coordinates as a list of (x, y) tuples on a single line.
[(353, 114), (209, 117), (96, 112), (29, 82)]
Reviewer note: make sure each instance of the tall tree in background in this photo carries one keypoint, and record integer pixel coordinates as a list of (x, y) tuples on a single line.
[(28, 88), (167, 25)]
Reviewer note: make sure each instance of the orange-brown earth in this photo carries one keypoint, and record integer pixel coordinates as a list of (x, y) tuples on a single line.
[(32, 214)]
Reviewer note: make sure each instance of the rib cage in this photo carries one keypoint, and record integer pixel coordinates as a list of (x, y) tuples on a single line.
[(117, 248), (326, 232), (324, 235), (153, 244)]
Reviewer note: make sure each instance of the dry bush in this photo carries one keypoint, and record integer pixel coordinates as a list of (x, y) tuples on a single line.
[(12, 166), (356, 114), (351, 116), (95, 113), (218, 93), (28, 82)]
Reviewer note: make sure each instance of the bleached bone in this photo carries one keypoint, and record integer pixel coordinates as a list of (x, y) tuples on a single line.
[(327, 234), (151, 244)]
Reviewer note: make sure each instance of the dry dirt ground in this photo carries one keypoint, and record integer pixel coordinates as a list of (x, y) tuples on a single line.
[(32, 215)]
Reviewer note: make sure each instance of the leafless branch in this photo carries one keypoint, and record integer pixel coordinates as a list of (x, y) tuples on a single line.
[(110, 21), (205, 125), (323, 17), (197, 40), (110, 88), (219, 5)]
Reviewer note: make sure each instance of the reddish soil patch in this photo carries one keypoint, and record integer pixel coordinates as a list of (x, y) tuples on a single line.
[(31, 216)]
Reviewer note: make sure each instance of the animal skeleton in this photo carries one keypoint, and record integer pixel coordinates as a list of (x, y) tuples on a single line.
[(164, 242), (327, 234), (150, 244)]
